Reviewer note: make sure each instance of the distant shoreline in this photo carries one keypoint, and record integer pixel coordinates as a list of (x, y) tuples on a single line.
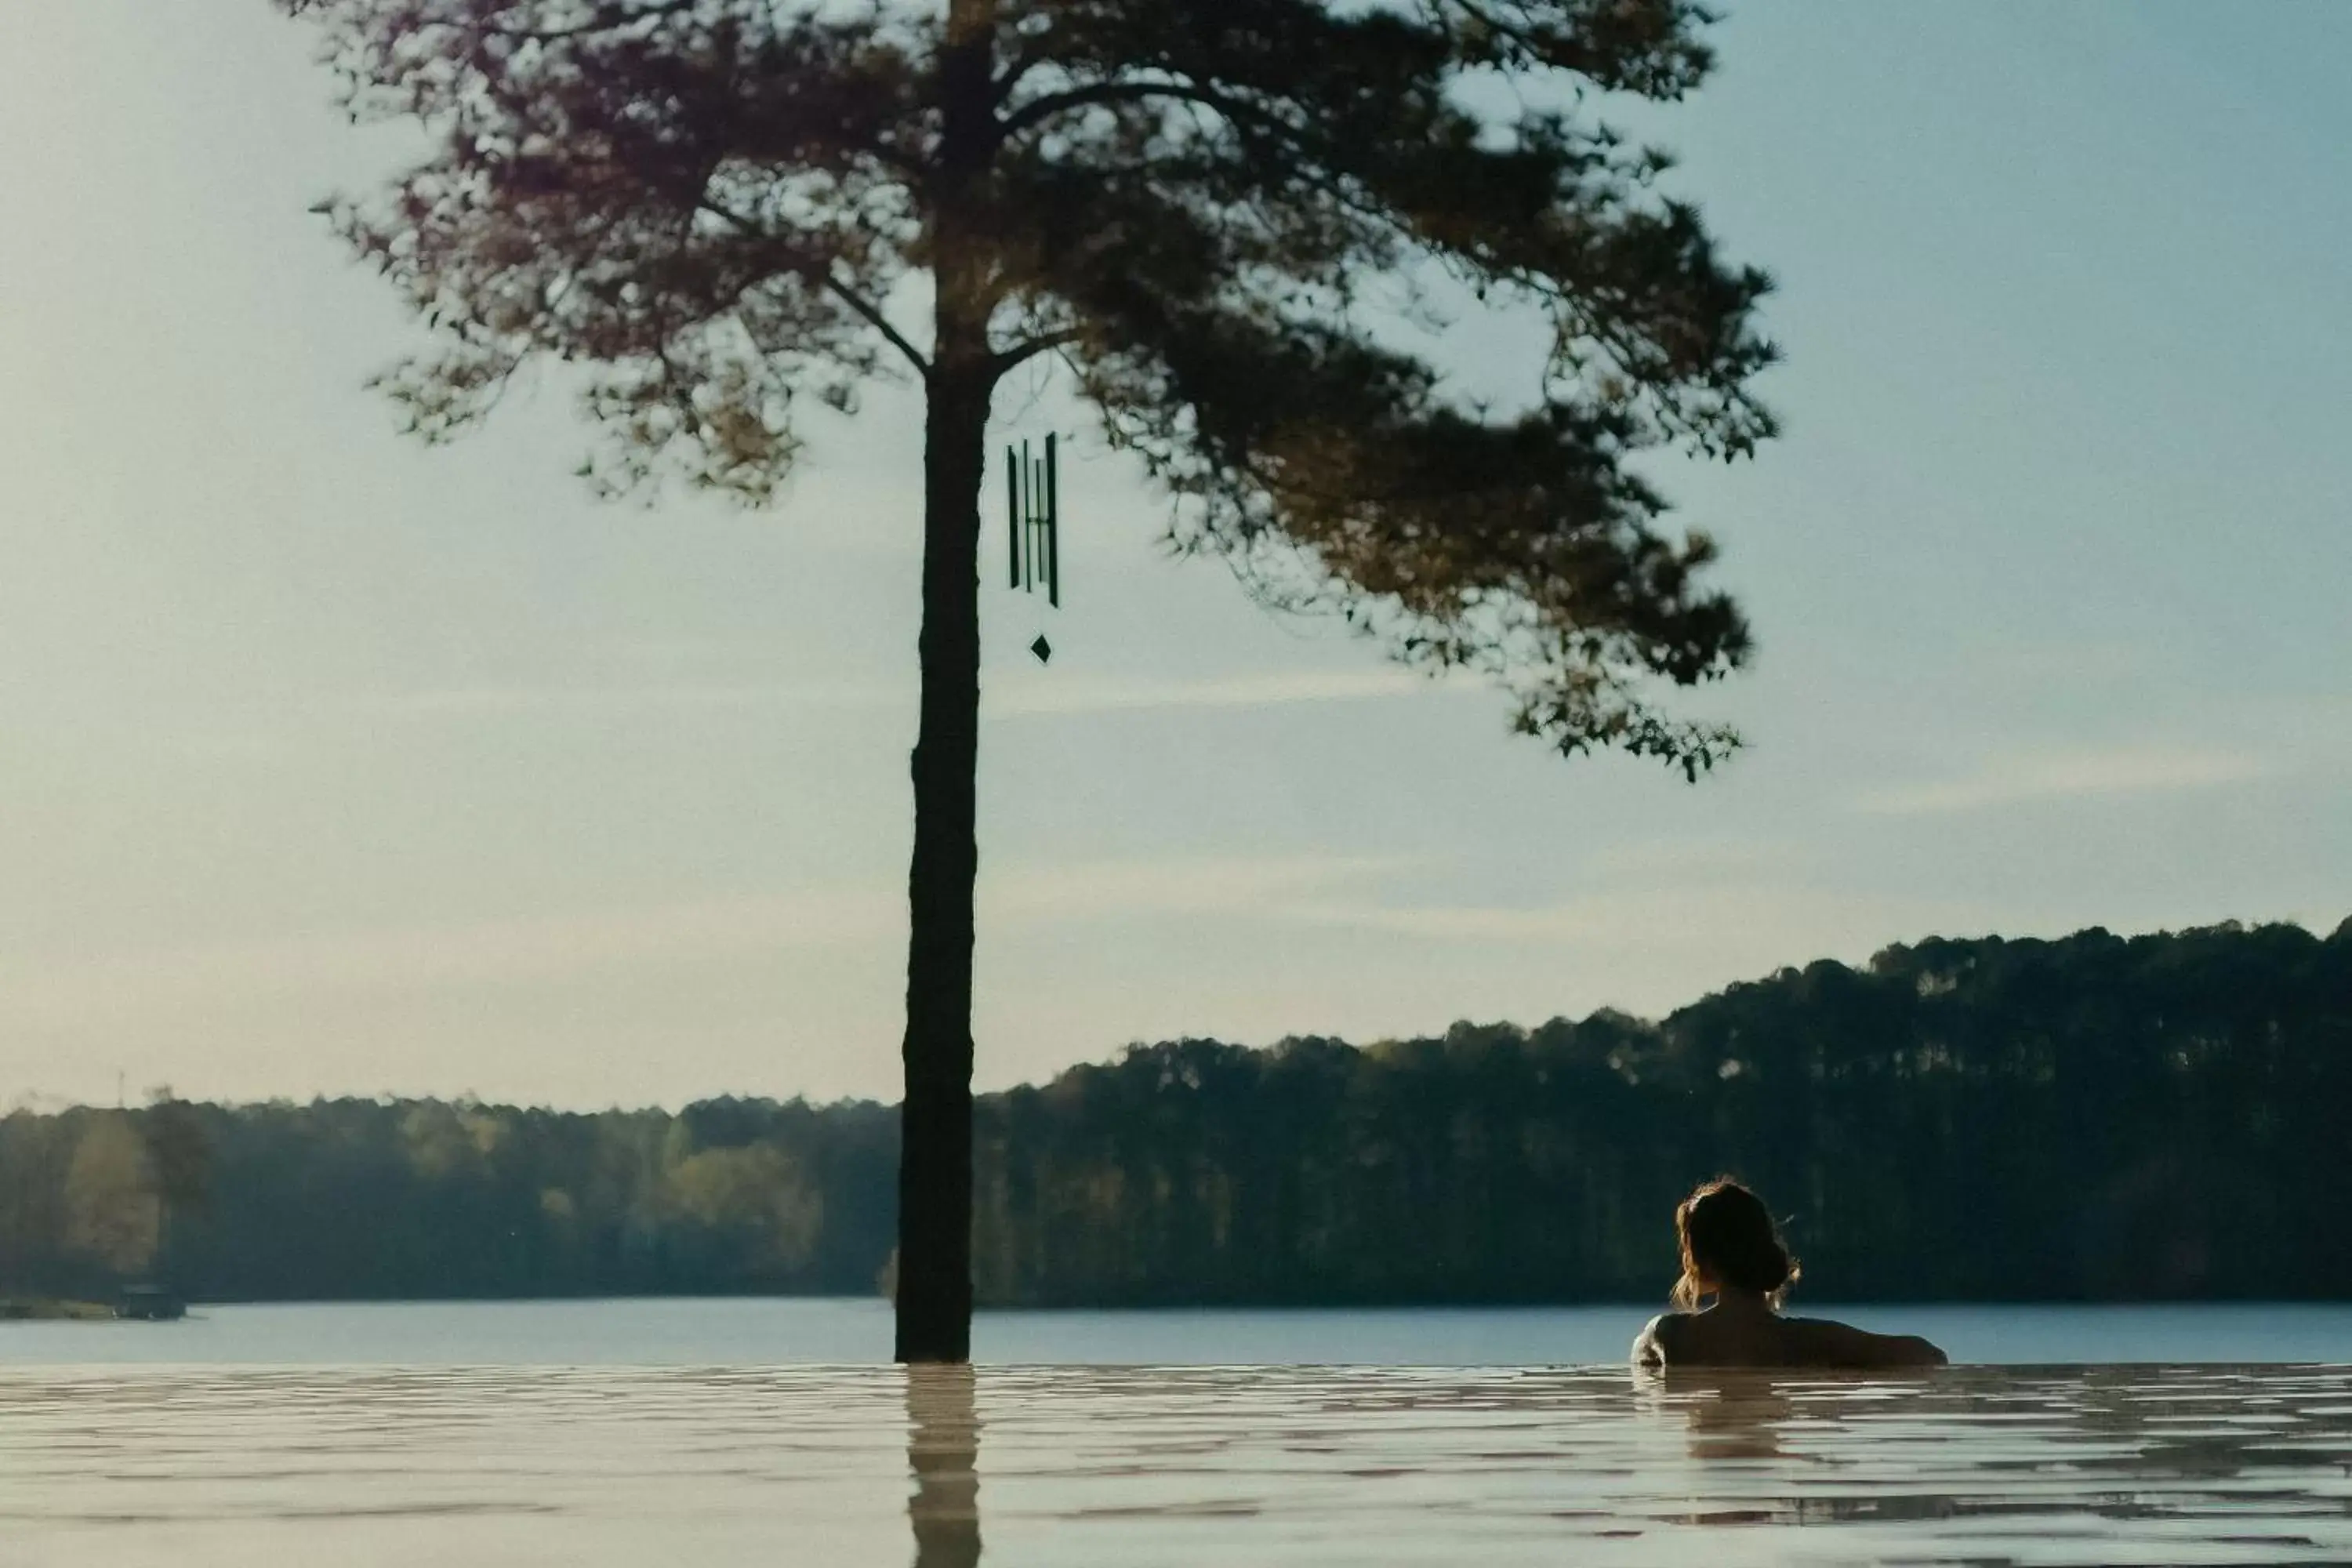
[(44, 1310), (49, 1310)]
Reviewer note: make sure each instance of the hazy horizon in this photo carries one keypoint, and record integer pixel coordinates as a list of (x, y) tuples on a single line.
[(339, 765), (132, 1095)]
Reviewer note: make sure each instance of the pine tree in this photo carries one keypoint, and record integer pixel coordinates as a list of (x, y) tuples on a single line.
[(719, 208)]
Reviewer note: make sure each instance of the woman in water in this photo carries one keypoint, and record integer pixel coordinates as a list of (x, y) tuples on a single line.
[(1732, 1251)]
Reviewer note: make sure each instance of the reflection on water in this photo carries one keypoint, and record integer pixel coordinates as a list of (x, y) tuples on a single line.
[(1732, 1415), (206, 1469), (942, 1451)]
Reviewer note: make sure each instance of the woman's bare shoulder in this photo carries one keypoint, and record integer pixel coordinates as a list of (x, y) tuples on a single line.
[(1652, 1347), (1819, 1341)]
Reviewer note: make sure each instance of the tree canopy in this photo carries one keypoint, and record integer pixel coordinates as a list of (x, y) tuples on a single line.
[(1217, 214)]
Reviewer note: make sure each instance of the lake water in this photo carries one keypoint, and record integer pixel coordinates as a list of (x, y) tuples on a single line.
[(769, 1332), (636, 1433)]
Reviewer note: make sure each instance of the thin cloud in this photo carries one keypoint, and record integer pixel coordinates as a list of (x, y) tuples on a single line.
[(454, 956), (2063, 776), (501, 702), (73, 994), (1237, 887), (1048, 694), (1647, 920), (1021, 696)]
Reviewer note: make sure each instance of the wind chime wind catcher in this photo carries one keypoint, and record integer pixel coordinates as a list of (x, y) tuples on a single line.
[(1034, 528)]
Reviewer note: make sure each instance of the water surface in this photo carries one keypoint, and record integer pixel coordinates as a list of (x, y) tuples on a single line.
[(768, 1332), (596, 1433), (210, 1467)]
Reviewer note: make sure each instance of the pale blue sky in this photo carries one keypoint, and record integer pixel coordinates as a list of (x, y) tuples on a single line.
[(337, 764)]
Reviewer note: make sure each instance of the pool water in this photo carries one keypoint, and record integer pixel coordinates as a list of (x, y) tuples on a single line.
[(205, 1468)]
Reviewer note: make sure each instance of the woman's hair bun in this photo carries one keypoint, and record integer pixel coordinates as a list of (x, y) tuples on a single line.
[(1728, 1239)]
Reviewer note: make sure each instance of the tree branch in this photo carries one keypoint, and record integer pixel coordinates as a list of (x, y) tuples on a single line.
[(1039, 109), (607, 18), (1486, 18), (1034, 53), (1021, 352), (881, 323), (864, 307)]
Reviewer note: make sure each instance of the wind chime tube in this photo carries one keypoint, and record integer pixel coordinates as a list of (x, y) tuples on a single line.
[(1036, 519), (1052, 528), (1012, 513), (1028, 504)]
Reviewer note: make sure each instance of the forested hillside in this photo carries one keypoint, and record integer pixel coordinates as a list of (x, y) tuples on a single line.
[(2166, 1116)]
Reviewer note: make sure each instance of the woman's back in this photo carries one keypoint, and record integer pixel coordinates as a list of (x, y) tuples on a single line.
[(1731, 1336), (1732, 1251)]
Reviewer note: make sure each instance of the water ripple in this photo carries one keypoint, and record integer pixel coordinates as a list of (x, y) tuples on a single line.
[(209, 1467)]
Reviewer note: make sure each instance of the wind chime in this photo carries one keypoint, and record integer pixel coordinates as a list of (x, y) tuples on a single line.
[(1034, 530)]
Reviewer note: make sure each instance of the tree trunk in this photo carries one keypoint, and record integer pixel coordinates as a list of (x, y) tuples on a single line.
[(935, 1120), (935, 1123)]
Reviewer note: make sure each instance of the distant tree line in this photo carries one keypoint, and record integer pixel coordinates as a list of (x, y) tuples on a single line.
[(363, 1198), (2093, 1117)]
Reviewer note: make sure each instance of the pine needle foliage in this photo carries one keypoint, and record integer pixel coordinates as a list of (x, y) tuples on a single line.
[(716, 208)]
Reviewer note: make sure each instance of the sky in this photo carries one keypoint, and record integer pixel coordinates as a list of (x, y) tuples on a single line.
[(334, 764)]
